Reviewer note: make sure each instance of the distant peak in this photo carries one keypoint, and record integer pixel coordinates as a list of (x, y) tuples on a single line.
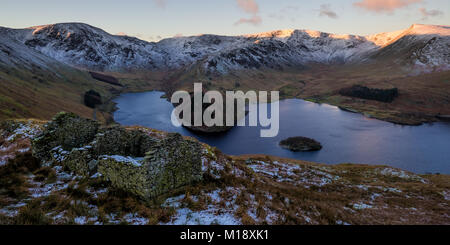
[(277, 33), (422, 29)]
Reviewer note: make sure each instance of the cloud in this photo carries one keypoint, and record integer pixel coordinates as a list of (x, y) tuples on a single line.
[(249, 6), (160, 3), (387, 6), (254, 20), (430, 13), (325, 10), (121, 34)]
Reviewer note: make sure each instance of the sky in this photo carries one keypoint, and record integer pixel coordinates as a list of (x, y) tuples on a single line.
[(153, 20)]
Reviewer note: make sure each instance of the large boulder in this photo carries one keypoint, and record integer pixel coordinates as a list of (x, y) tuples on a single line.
[(170, 163), (174, 162), (129, 159), (66, 130)]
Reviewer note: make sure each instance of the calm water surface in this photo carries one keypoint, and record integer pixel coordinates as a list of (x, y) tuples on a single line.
[(346, 137)]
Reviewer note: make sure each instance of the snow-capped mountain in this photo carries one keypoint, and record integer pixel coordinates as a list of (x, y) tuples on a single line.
[(86, 46), (424, 46), (81, 45)]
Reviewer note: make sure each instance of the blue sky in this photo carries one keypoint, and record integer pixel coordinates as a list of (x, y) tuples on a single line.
[(156, 19)]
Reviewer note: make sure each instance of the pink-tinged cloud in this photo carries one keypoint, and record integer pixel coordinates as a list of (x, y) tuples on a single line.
[(121, 34), (325, 10), (160, 3), (249, 6), (387, 6), (430, 13), (254, 20)]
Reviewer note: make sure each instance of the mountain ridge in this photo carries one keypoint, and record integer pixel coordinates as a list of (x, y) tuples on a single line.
[(85, 46)]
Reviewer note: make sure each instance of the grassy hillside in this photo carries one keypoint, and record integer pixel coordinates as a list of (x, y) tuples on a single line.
[(421, 96), (41, 93)]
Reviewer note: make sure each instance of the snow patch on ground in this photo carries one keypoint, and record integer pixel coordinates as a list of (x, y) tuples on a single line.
[(27, 130), (287, 172), (59, 154), (361, 206), (135, 219), (391, 172), (135, 161), (210, 216)]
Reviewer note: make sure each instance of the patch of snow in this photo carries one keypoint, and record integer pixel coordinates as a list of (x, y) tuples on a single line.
[(81, 220), (361, 206), (174, 202), (59, 154), (135, 219), (135, 161), (446, 195), (286, 172), (400, 174), (211, 216), (25, 130), (340, 222), (215, 196), (12, 210), (374, 196)]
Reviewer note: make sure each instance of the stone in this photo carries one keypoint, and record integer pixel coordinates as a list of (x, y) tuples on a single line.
[(171, 163)]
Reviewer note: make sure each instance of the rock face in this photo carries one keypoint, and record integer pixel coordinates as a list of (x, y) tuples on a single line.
[(117, 154), (171, 163), (300, 144)]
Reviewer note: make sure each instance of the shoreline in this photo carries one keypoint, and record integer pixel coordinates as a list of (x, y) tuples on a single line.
[(397, 120)]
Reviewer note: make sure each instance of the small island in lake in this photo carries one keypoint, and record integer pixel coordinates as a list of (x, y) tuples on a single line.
[(300, 144)]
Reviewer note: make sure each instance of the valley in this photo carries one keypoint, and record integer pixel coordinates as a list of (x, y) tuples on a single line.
[(64, 168), (311, 65)]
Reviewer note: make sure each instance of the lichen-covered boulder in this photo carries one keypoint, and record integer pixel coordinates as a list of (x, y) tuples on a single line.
[(67, 130), (174, 162), (170, 163), (119, 141)]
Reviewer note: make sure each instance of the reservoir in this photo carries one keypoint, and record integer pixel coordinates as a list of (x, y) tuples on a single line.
[(346, 137)]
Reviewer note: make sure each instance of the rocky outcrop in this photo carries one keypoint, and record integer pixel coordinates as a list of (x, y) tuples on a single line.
[(300, 144), (174, 162), (66, 130), (130, 159), (171, 163)]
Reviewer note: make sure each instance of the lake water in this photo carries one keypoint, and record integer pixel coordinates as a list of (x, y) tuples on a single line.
[(346, 137)]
